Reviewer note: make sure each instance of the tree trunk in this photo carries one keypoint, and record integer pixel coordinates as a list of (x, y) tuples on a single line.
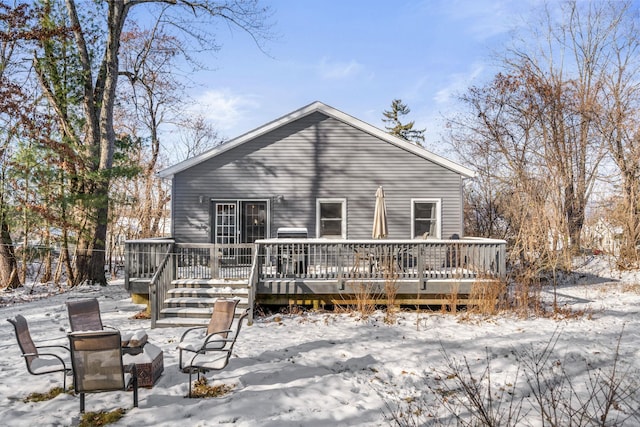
[(629, 251), (90, 249), (98, 256), (575, 219), (47, 261), (8, 264)]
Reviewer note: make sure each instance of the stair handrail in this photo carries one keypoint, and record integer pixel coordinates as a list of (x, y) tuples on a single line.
[(253, 281), (161, 281)]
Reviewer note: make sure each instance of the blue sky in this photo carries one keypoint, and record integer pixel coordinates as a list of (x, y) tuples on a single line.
[(357, 56)]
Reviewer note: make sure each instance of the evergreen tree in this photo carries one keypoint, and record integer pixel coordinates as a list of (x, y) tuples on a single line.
[(395, 126)]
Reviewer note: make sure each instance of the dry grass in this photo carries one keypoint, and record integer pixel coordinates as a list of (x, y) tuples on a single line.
[(142, 315), (365, 296), (487, 297), (631, 288), (525, 298), (562, 313), (453, 300), (390, 274), (41, 397), (201, 389), (93, 419)]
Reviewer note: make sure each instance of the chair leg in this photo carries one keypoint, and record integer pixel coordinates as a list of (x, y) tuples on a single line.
[(134, 374), (190, 374), (135, 392), (82, 403)]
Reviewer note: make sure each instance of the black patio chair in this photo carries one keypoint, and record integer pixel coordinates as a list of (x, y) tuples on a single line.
[(39, 363), (96, 358)]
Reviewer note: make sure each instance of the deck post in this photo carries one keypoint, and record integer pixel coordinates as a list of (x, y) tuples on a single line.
[(128, 262), (213, 259), (422, 285), (340, 272)]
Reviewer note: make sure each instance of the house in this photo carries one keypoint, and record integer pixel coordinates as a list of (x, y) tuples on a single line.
[(602, 236), (285, 212), (315, 168)]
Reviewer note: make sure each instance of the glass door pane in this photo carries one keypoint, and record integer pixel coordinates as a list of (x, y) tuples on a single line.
[(254, 221), (225, 225)]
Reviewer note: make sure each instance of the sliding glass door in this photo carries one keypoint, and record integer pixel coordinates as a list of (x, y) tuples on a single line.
[(239, 221)]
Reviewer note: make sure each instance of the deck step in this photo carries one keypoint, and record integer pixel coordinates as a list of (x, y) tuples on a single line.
[(190, 302), (210, 283), (192, 312), (174, 322), (197, 302), (208, 292)]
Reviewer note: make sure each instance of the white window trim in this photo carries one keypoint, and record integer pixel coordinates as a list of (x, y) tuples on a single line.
[(438, 203), (344, 214)]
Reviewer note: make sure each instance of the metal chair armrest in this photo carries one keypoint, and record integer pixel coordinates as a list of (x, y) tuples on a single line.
[(217, 336), (55, 356), (190, 330), (54, 346)]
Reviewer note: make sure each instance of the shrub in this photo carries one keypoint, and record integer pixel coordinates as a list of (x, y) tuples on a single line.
[(542, 388)]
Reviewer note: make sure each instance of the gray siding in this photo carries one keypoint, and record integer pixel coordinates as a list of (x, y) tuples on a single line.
[(316, 157)]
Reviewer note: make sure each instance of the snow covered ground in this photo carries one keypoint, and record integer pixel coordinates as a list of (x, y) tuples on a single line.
[(326, 369)]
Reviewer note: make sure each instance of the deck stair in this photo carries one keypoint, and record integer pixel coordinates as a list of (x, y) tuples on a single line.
[(191, 301)]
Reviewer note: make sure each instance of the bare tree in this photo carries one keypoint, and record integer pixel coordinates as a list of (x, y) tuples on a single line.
[(14, 114), (536, 129), (197, 135), (620, 124), (564, 76), (151, 98), (94, 50)]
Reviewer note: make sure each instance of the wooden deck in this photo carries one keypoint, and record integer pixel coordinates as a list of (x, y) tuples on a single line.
[(318, 272)]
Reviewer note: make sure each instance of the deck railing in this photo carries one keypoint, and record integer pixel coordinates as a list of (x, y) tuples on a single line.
[(191, 260), (159, 261), (321, 259), (213, 261), (143, 257), (377, 259), (159, 286)]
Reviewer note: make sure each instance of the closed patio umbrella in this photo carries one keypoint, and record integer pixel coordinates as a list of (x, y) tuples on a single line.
[(380, 216)]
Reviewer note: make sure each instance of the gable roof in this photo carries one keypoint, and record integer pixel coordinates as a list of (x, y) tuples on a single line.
[(328, 111)]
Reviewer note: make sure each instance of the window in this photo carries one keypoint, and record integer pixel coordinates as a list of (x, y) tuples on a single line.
[(331, 217), (425, 218)]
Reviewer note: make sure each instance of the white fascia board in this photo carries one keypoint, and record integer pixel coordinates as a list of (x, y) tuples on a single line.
[(302, 112)]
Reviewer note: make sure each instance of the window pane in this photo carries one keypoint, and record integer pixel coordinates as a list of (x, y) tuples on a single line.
[(425, 227), (425, 219), (331, 227), (425, 211), (331, 210)]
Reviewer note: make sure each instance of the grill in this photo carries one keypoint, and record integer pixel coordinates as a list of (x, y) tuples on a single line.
[(292, 233)]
